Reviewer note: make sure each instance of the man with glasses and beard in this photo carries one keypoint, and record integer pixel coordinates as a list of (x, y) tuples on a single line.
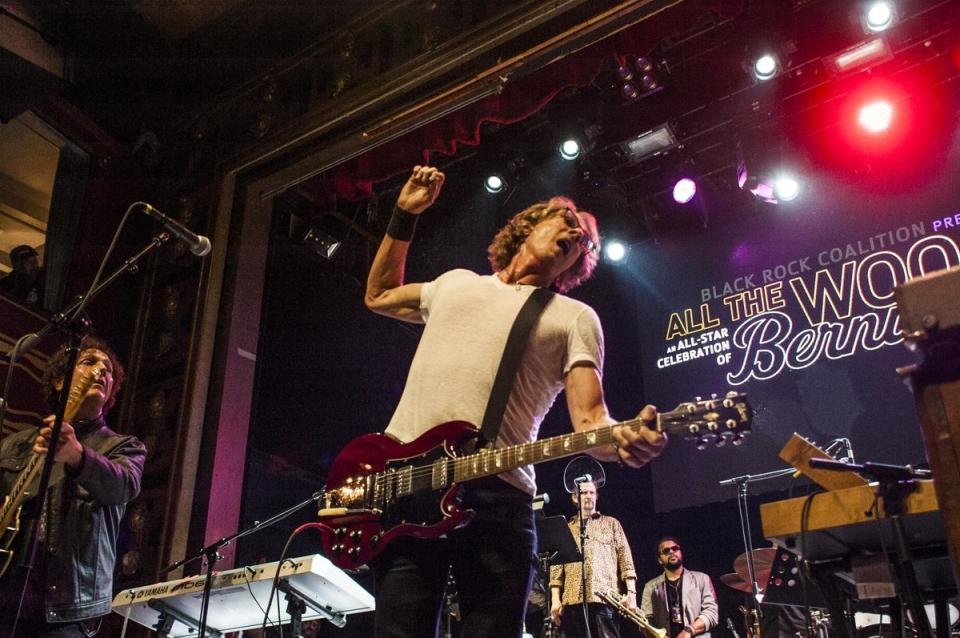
[(679, 600)]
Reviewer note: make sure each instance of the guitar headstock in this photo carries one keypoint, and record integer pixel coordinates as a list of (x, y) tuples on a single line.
[(81, 383), (714, 421)]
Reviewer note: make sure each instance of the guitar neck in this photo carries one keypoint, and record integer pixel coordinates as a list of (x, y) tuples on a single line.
[(29, 474), (488, 462)]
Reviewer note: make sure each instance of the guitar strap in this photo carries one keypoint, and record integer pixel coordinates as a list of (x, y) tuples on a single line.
[(510, 363)]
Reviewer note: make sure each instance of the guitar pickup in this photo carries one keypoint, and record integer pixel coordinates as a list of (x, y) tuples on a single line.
[(440, 473)]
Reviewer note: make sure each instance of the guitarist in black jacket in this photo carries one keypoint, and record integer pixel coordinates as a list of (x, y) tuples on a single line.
[(467, 317), (97, 472)]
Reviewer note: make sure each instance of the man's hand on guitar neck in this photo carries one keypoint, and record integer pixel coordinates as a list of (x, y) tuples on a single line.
[(637, 448), (588, 411), (69, 449)]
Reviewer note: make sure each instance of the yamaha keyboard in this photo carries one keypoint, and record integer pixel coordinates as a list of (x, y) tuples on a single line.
[(239, 596)]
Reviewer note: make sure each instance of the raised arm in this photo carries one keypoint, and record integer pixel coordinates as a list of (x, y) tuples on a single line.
[(386, 292), (589, 411)]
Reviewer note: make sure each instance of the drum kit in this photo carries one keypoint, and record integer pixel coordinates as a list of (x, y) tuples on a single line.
[(869, 625)]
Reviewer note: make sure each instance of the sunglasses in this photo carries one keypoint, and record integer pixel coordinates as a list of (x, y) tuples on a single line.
[(667, 550), (585, 242)]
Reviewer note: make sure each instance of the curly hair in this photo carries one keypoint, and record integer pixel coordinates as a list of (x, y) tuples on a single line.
[(508, 240), (56, 370)]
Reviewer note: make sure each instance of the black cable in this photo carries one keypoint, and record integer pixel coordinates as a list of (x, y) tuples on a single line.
[(274, 589), (246, 580), (875, 508), (803, 563)]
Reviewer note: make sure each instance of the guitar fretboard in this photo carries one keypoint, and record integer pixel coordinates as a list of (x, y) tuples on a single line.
[(489, 462)]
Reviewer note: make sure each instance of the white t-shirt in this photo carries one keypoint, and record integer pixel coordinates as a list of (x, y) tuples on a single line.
[(468, 318)]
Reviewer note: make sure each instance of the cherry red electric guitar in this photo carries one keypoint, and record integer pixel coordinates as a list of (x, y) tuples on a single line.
[(379, 488)]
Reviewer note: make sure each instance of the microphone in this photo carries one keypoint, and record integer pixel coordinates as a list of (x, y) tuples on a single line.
[(199, 245), (540, 500), (586, 478)]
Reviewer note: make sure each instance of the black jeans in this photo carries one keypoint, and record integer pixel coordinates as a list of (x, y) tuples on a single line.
[(604, 622), (492, 560)]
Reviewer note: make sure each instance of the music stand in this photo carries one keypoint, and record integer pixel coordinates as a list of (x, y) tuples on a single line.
[(556, 543)]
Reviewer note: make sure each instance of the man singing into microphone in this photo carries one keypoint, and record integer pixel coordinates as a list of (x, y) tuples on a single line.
[(467, 318)]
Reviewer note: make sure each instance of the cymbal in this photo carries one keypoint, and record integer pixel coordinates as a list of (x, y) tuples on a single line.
[(734, 580), (762, 564)]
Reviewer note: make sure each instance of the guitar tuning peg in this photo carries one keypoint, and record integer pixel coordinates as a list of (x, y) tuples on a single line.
[(702, 444), (698, 398), (720, 442), (713, 395), (731, 424), (728, 402), (712, 426), (693, 428), (738, 440)]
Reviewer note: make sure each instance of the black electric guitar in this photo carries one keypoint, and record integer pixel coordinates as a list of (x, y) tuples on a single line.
[(10, 512), (379, 488)]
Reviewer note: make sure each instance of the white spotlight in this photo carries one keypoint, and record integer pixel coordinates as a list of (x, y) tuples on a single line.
[(570, 149), (879, 16), (494, 183), (684, 190), (786, 188), (615, 250), (765, 67), (876, 117)]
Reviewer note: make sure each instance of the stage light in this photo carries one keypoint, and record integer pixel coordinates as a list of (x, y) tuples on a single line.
[(570, 149), (765, 67), (860, 56), (494, 183), (615, 250), (786, 188), (321, 243), (876, 117), (636, 78), (879, 16), (652, 142), (629, 92), (684, 190)]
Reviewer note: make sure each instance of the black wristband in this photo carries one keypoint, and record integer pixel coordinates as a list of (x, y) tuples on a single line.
[(402, 224)]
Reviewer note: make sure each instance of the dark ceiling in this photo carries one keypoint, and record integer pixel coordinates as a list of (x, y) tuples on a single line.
[(132, 64), (136, 65), (713, 104)]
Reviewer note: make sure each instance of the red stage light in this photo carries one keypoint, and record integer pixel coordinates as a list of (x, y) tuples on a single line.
[(876, 116), (889, 131)]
